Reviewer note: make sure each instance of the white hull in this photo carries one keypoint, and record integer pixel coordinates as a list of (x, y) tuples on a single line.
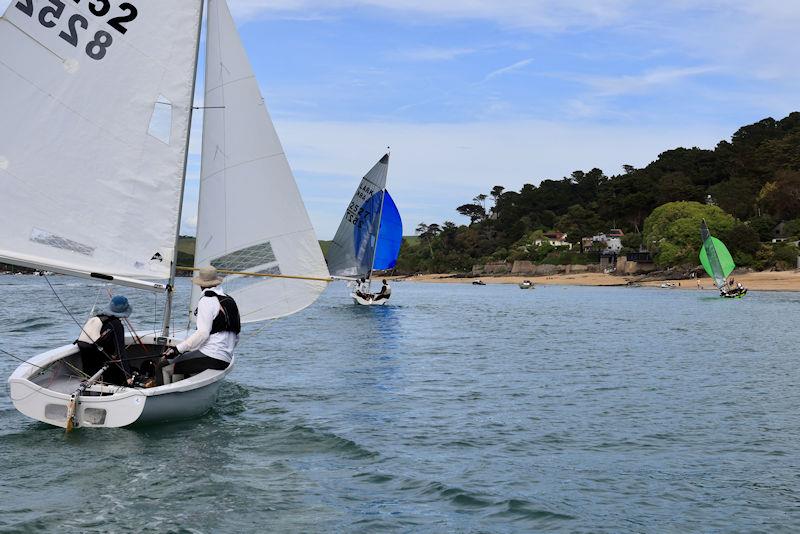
[(365, 302), (44, 395)]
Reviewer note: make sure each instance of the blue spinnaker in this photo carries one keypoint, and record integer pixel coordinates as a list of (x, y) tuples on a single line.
[(365, 232), (390, 236)]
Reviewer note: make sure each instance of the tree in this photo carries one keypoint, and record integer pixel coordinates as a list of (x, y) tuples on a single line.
[(676, 186), (781, 197), (736, 196), (475, 212), (580, 221), (763, 226), (422, 228), (481, 200), (496, 192), (431, 232), (743, 243), (672, 231)]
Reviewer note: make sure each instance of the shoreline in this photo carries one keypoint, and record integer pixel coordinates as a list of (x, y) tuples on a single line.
[(761, 281)]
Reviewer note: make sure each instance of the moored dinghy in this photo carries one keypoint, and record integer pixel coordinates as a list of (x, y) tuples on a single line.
[(135, 177), (369, 237)]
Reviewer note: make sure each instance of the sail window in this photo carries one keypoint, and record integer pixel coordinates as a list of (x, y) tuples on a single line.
[(52, 240), (3, 163), (247, 258), (161, 120)]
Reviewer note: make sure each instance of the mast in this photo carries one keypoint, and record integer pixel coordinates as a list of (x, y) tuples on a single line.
[(378, 233), (174, 265)]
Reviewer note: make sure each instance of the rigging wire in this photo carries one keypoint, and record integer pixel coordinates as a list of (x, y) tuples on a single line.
[(99, 348), (23, 360)]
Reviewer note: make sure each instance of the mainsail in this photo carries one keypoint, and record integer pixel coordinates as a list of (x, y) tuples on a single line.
[(714, 256), (390, 236), (251, 217), (354, 246), (95, 122)]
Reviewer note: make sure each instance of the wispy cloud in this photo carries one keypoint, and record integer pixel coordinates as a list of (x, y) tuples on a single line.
[(539, 14), (431, 53), (436, 167), (509, 69), (638, 83)]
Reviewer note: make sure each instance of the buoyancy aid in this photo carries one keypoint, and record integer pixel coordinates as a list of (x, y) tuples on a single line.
[(227, 320)]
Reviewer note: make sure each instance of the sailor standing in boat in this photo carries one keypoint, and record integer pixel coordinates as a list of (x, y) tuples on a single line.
[(218, 327)]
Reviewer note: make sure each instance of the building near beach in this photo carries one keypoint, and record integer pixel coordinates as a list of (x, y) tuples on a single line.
[(556, 239)]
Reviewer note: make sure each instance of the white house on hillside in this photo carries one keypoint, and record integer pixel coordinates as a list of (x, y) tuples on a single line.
[(556, 239), (610, 243)]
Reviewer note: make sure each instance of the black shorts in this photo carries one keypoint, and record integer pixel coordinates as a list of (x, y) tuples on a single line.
[(193, 362)]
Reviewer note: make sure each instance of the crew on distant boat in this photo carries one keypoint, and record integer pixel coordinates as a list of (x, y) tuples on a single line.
[(218, 328), (102, 341), (385, 292), (730, 291), (362, 289)]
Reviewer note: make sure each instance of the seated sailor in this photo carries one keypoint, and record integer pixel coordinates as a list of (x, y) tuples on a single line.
[(362, 289), (386, 291), (102, 341), (218, 327)]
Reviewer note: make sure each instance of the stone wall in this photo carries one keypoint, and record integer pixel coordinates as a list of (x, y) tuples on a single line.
[(528, 268), (625, 267), (498, 267)]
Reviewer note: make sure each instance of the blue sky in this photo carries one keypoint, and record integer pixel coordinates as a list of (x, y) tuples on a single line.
[(474, 93)]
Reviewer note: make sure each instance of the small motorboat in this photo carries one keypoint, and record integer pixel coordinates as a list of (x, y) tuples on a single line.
[(526, 284), (478, 283)]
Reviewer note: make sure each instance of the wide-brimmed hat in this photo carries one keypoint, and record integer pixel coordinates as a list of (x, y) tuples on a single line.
[(118, 307), (207, 277)]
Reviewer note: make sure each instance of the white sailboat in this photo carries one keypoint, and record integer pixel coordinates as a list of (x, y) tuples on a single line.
[(97, 106), (369, 236)]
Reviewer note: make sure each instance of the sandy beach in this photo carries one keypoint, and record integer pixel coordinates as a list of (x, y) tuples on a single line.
[(763, 281)]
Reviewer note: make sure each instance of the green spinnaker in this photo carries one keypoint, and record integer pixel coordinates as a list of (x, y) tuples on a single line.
[(715, 257)]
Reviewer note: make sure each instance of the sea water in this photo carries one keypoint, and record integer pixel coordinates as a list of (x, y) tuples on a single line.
[(454, 408)]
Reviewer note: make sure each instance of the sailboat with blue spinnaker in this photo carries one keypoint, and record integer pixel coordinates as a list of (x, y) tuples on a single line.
[(369, 236)]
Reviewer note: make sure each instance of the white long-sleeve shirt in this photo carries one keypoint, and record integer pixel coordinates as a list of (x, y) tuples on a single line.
[(219, 345)]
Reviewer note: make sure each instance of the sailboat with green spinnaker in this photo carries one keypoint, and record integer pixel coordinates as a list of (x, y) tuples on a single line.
[(718, 263)]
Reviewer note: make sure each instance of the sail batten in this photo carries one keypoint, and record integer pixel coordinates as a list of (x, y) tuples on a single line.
[(251, 216)]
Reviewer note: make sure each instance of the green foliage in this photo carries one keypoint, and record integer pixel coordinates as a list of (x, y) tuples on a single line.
[(632, 241), (743, 242), (785, 256), (782, 195), (763, 226), (754, 177), (792, 229), (672, 231)]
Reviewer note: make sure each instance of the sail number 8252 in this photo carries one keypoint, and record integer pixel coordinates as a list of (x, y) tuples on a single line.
[(96, 48)]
